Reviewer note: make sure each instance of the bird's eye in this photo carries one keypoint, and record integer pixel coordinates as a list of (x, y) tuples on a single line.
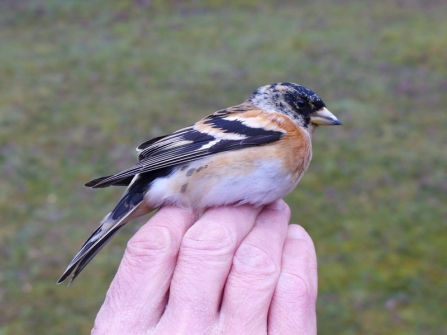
[(300, 103)]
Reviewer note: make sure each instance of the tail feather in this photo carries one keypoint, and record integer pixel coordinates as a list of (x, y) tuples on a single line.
[(126, 210), (129, 207), (108, 228), (81, 263)]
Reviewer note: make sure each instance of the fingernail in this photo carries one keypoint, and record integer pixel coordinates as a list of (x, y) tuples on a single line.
[(298, 232), (277, 205)]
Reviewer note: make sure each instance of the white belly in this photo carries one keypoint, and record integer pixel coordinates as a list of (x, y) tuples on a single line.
[(208, 183)]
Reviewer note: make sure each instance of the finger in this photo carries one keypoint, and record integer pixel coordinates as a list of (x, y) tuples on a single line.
[(139, 289), (293, 305), (255, 271), (204, 261)]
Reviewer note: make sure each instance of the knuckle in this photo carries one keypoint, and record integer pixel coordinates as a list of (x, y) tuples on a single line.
[(156, 241), (296, 287), (253, 260), (209, 239)]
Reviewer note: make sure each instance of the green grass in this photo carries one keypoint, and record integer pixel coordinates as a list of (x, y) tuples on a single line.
[(83, 83)]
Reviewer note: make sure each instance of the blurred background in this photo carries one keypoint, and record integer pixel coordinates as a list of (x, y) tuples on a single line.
[(82, 83)]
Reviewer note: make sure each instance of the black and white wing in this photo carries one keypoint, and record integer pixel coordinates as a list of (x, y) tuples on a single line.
[(216, 133)]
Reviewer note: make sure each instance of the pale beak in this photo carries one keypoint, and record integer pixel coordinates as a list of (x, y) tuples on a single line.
[(323, 117)]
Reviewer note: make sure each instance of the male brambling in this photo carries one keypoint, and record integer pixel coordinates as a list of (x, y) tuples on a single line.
[(255, 153)]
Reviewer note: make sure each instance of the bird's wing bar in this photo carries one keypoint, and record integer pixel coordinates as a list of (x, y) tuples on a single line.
[(210, 136)]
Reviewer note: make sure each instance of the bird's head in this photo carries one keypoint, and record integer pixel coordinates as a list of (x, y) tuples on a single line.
[(298, 102)]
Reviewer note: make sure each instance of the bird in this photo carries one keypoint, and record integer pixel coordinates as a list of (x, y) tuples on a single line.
[(252, 153)]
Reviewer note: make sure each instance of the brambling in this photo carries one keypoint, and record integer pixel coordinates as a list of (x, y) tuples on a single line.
[(254, 153)]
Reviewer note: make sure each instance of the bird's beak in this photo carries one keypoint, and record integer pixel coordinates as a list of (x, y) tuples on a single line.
[(323, 117)]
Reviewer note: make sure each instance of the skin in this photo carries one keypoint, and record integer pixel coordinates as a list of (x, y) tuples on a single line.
[(236, 270)]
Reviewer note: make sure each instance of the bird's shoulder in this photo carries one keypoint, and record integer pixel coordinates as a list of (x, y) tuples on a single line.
[(247, 119), (245, 123), (234, 128)]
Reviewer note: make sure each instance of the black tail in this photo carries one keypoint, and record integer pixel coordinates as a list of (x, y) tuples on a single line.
[(108, 228), (127, 209)]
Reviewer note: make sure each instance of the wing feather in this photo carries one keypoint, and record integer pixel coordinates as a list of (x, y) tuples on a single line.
[(209, 136)]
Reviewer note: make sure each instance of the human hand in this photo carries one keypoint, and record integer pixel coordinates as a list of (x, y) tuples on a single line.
[(237, 270)]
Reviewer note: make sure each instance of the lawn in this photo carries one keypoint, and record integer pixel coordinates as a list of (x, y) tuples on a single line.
[(82, 83)]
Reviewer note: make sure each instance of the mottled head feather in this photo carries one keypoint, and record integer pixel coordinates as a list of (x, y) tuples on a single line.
[(293, 100)]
